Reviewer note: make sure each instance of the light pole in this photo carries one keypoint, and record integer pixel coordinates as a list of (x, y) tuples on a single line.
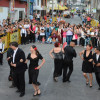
[(52, 10), (28, 8)]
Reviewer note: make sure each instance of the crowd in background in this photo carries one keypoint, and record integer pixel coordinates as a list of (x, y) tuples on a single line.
[(44, 31)]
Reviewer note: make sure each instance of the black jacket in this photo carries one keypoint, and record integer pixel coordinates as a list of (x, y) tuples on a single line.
[(96, 68), (20, 66), (10, 54), (69, 53)]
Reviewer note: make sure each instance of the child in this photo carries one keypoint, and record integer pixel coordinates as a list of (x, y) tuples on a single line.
[(49, 40)]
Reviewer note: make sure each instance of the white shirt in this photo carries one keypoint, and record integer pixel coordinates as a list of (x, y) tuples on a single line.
[(14, 55), (38, 15), (26, 26), (2, 47), (23, 31), (97, 56)]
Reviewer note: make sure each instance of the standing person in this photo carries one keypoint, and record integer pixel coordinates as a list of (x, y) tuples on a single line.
[(32, 32), (1, 51), (60, 34), (9, 59), (34, 67), (69, 52), (69, 34), (38, 17), (58, 60), (48, 31), (23, 35), (87, 66), (19, 68), (42, 34), (96, 62)]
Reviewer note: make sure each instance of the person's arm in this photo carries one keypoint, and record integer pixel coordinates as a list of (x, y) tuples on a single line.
[(21, 61), (43, 61), (90, 60), (81, 53), (50, 53)]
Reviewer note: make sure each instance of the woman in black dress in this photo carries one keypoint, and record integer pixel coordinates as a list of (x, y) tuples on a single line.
[(87, 66), (34, 58), (58, 60)]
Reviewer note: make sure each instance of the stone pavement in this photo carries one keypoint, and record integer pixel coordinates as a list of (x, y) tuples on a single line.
[(76, 90)]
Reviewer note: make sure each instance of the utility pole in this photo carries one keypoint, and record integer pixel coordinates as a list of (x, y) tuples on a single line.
[(28, 8), (52, 10)]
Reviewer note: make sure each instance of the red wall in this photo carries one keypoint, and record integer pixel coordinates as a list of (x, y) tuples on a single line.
[(18, 4)]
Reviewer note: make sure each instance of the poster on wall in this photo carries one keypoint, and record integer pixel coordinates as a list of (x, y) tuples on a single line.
[(12, 6)]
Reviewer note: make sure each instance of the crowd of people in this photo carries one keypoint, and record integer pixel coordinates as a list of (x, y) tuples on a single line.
[(57, 33), (51, 32)]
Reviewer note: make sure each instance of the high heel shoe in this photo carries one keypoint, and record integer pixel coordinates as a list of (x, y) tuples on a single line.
[(87, 83), (35, 93), (90, 86), (38, 92)]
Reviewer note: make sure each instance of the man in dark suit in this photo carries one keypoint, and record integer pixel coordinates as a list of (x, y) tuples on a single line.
[(19, 68), (69, 52), (9, 59), (96, 62)]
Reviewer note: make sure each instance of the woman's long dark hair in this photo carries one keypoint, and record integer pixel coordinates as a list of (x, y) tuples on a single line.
[(34, 47)]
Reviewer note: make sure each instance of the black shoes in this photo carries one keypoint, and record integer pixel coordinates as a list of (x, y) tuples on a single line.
[(18, 91), (12, 86), (22, 94)]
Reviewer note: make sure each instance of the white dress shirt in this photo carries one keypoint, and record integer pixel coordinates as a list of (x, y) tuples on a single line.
[(2, 47), (97, 56), (23, 31), (14, 55)]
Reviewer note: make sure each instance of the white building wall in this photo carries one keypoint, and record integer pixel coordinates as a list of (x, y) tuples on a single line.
[(3, 13)]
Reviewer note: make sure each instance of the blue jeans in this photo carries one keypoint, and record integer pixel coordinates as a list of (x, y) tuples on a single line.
[(47, 35), (69, 39)]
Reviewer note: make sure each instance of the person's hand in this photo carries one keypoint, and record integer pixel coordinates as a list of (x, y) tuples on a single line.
[(98, 65), (37, 68), (93, 63), (8, 58), (14, 65), (90, 60), (21, 60)]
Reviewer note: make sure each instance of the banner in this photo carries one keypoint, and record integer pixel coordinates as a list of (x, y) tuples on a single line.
[(14, 37), (12, 6), (5, 42)]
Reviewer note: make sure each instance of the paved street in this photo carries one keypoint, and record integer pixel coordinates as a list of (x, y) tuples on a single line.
[(76, 90)]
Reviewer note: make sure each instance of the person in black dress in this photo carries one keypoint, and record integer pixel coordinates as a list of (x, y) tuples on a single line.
[(96, 63), (87, 66), (58, 60), (34, 67)]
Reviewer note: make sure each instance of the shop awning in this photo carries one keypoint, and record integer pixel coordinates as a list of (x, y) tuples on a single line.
[(60, 7)]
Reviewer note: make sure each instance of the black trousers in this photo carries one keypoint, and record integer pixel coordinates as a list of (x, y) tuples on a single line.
[(94, 41), (66, 73), (19, 80), (32, 37), (28, 38), (11, 69), (1, 58), (82, 41), (97, 74), (23, 39)]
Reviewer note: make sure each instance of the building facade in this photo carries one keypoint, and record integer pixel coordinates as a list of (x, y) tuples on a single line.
[(40, 6)]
